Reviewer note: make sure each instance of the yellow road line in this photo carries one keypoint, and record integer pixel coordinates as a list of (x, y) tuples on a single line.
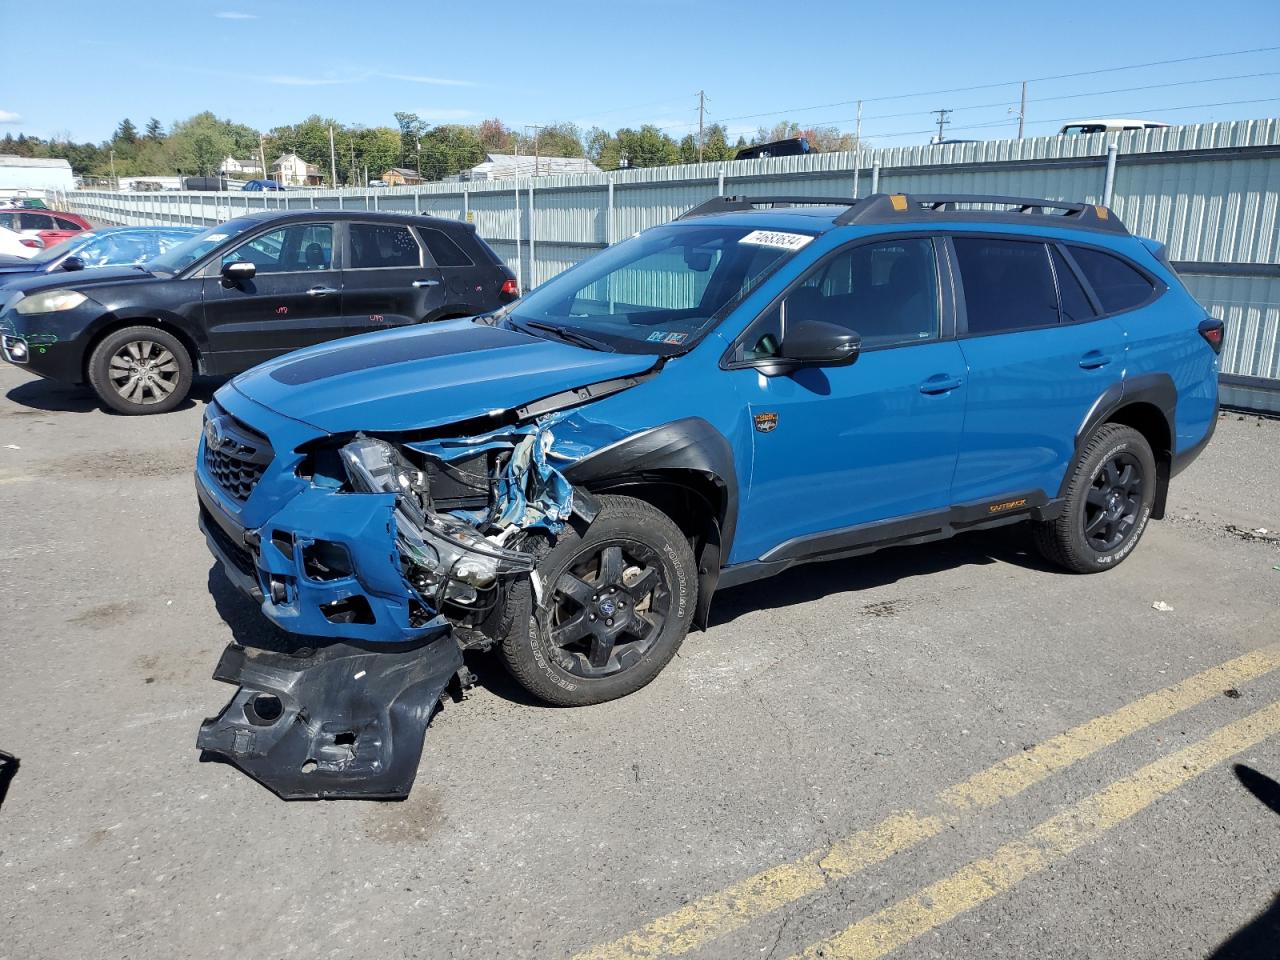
[(717, 914), (1082, 823)]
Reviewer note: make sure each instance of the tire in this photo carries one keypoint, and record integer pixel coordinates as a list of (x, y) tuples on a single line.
[(1108, 503), (140, 370), (617, 603)]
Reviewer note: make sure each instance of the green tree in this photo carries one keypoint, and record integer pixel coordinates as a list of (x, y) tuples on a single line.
[(603, 149), (411, 130), (201, 143), (126, 132), (377, 148), (715, 144), (449, 149), (689, 148), (495, 137), (647, 147), (155, 130), (554, 140)]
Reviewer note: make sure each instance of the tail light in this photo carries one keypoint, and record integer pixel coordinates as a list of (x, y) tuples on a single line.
[(30, 242), (510, 289), (1213, 332)]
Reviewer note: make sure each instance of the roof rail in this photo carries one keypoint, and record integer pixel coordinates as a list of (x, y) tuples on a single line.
[(901, 207), (895, 208), (742, 203)]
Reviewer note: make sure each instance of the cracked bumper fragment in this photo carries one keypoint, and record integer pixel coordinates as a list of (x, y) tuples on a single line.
[(342, 722)]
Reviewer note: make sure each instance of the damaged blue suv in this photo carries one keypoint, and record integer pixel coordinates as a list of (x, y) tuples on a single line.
[(762, 383)]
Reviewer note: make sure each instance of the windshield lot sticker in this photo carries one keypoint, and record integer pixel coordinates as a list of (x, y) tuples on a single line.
[(215, 237), (657, 336), (676, 338), (774, 238)]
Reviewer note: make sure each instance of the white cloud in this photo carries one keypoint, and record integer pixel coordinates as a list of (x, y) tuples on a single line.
[(8, 116), (443, 114), (433, 81), (235, 15), (290, 80)]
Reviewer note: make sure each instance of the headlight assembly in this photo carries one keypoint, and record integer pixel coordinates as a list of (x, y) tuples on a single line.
[(50, 301)]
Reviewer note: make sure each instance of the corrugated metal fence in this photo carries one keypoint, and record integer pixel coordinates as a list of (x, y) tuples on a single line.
[(1210, 192)]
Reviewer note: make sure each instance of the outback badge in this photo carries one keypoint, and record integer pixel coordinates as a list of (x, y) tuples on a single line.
[(765, 422)]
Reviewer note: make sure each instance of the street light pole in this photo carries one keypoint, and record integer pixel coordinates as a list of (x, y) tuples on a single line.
[(113, 169)]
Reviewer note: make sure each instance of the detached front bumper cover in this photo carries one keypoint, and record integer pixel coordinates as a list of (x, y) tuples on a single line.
[(341, 722)]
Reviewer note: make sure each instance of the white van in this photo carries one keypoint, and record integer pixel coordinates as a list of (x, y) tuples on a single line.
[(1112, 125)]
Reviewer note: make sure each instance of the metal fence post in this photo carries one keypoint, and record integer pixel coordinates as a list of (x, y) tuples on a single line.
[(720, 183), (533, 263), (857, 169), (608, 215), (466, 204), (1109, 184), (519, 270), (875, 176), (375, 200), (417, 203)]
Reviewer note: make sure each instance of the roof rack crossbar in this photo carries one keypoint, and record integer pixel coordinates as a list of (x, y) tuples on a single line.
[(885, 208), (743, 203)]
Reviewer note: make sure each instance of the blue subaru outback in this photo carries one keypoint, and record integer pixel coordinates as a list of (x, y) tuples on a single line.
[(762, 383)]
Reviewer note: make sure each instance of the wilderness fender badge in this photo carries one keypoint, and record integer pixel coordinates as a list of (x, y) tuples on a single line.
[(765, 422), (775, 238)]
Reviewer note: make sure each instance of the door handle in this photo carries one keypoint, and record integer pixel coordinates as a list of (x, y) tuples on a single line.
[(940, 383), (1093, 360), (426, 283), (320, 291)]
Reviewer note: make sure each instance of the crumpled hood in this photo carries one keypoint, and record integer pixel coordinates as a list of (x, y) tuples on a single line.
[(425, 376)]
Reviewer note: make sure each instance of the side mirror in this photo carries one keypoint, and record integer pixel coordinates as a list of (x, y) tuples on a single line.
[(816, 343), (237, 272), (72, 263)]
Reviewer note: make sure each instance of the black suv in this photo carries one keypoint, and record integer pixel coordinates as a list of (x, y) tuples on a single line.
[(243, 292)]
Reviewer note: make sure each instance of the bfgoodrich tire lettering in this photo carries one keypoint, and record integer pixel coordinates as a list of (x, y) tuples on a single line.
[(1108, 502), (140, 369), (615, 606)]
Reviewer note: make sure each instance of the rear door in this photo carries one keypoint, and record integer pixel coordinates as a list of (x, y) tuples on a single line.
[(294, 299), (40, 225), (1039, 356), (388, 279), (472, 285)]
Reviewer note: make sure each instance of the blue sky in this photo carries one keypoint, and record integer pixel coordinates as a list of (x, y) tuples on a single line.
[(622, 64)]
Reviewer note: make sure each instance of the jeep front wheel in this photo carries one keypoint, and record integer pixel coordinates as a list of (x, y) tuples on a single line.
[(615, 606)]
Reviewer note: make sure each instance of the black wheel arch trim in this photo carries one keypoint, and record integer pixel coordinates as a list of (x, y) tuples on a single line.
[(690, 445), (1153, 389)]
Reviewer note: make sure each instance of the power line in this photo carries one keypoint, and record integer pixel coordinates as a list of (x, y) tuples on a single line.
[(992, 86)]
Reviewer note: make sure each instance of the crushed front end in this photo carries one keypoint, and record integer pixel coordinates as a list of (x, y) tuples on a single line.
[(385, 558)]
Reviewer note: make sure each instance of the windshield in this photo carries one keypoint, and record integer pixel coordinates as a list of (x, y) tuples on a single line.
[(184, 254), (57, 252), (660, 291)]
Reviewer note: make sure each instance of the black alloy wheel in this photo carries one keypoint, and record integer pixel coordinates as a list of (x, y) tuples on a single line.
[(1113, 503)]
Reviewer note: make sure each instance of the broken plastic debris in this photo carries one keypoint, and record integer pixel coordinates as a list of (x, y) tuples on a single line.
[(1162, 607)]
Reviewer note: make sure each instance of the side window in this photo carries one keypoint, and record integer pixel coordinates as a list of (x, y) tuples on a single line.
[(376, 245), (9, 221), (886, 292), (35, 221), (1075, 302), (1118, 286), (443, 250), (1007, 284), (67, 224), (292, 249)]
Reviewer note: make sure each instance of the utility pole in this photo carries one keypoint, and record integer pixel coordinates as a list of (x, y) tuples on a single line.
[(113, 168), (857, 129), (537, 155), (702, 110), (352, 175), (1022, 109), (262, 154), (333, 160), (942, 121), (419, 140)]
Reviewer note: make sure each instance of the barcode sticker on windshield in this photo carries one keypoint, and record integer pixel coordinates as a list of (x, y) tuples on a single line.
[(215, 237), (774, 238)]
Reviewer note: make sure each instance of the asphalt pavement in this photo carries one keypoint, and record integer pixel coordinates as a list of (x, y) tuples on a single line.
[(942, 751)]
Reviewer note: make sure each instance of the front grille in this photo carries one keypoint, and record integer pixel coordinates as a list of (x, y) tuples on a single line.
[(235, 455)]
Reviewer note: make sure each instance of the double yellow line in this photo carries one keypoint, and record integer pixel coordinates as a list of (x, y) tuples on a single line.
[(717, 914)]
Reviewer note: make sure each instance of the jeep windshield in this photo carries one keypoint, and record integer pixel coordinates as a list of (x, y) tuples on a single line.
[(177, 259), (657, 292)]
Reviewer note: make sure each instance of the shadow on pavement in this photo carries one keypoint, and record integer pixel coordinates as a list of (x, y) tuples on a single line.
[(8, 770), (54, 397), (1260, 938)]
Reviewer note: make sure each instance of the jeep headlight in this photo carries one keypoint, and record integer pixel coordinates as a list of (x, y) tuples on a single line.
[(50, 301)]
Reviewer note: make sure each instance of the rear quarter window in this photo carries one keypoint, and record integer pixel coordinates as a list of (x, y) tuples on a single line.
[(1117, 285), (444, 251)]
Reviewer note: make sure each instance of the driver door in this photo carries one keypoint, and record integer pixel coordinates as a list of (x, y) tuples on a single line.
[(846, 446), (293, 300)]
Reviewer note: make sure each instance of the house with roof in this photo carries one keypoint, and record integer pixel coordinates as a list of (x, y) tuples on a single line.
[(505, 166), (401, 177), (292, 171), (232, 167)]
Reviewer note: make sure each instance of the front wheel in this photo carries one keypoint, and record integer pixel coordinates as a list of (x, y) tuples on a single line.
[(1108, 502), (140, 370), (615, 605)]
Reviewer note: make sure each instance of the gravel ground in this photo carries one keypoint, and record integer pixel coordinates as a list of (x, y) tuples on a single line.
[(816, 705)]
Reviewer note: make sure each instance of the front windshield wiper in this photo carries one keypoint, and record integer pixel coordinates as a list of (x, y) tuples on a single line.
[(568, 334)]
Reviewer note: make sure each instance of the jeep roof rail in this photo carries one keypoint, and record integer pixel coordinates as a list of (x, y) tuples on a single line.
[(902, 207), (741, 203)]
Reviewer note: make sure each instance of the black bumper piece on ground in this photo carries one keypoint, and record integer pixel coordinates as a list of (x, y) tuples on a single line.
[(342, 722)]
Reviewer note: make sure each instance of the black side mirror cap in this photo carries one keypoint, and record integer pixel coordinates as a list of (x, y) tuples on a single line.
[(72, 263), (817, 343), (237, 272)]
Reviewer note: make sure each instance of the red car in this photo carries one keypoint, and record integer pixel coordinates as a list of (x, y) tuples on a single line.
[(51, 226)]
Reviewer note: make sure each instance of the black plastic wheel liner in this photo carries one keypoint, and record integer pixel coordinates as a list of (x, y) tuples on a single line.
[(344, 722)]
